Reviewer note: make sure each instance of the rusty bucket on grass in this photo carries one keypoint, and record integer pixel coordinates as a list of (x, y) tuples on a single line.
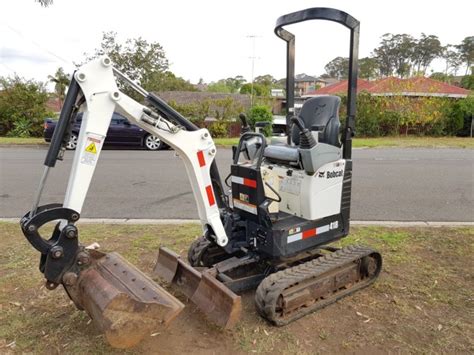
[(122, 301)]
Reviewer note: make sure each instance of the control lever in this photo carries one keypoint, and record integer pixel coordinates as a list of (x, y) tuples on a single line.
[(245, 126), (306, 138)]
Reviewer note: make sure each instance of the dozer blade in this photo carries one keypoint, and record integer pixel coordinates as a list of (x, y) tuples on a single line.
[(214, 299), (121, 300)]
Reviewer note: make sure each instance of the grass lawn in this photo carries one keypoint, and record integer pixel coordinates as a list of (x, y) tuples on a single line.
[(21, 141), (400, 142), (422, 302)]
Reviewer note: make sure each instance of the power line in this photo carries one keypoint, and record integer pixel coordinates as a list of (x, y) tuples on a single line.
[(51, 53)]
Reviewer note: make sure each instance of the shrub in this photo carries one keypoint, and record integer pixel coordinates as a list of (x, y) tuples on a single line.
[(392, 115), (261, 113), (218, 129), (22, 106)]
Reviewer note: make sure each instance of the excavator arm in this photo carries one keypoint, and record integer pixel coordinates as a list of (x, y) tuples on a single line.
[(196, 148), (122, 301)]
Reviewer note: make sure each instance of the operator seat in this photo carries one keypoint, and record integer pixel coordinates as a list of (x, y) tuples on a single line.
[(318, 114)]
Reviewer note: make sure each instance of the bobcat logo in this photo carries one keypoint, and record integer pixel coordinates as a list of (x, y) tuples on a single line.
[(321, 174)]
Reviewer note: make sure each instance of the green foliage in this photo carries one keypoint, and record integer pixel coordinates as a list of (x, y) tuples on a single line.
[(22, 107), (467, 82), (142, 61), (338, 68), (266, 80), (466, 50), (220, 86), (218, 129), (224, 109), (258, 89), (441, 77), (61, 82), (261, 113), (44, 3), (387, 116), (167, 81), (228, 86), (368, 68)]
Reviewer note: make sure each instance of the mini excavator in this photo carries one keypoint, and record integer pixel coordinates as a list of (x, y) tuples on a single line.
[(267, 226)]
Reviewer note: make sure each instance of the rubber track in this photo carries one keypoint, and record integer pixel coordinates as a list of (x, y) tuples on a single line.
[(195, 250), (271, 287)]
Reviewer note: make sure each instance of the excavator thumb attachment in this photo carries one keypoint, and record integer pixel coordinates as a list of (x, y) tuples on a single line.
[(214, 299), (122, 301)]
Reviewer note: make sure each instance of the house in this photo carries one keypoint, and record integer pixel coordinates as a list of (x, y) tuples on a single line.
[(54, 104), (392, 86), (305, 83)]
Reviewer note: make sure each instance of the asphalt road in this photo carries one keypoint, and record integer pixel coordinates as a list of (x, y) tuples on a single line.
[(389, 184)]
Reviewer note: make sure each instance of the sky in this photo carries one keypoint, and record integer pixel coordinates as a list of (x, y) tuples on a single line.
[(211, 39)]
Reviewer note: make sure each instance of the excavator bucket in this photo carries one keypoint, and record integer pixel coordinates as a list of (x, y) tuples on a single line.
[(122, 301), (214, 299)]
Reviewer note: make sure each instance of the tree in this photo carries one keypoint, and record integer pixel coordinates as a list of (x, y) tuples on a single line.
[(467, 81), (368, 68), (219, 86), (452, 59), (258, 89), (338, 68), (440, 76), (44, 3), (266, 80), (425, 50), (229, 85), (394, 54), (61, 81), (142, 61), (235, 83), (22, 107), (167, 81), (466, 50)]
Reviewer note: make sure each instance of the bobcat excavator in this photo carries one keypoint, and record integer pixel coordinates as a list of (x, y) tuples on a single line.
[(268, 230)]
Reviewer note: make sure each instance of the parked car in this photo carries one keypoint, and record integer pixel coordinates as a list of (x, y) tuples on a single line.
[(121, 132)]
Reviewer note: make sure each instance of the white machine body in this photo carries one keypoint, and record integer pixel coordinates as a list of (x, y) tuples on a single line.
[(307, 196)]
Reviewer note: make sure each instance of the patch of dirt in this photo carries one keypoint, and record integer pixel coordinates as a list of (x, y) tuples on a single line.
[(421, 303)]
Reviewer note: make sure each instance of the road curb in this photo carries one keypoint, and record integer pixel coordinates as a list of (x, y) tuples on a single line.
[(393, 224), (39, 145)]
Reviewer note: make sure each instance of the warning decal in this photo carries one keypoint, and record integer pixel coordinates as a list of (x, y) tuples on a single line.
[(91, 148), (90, 153)]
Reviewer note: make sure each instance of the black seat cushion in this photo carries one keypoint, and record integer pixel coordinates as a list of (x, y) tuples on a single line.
[(322, 111)]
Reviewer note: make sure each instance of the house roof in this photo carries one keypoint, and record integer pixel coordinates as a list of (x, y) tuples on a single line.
[(339, 88), (187, 97), (304, 77), (417, 86)]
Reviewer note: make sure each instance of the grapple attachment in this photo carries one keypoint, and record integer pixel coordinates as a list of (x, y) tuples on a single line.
[(122, 301), (214, 299)]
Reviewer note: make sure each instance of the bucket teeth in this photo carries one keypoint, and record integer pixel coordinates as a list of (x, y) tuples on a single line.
[(214, 299), (122, 301)]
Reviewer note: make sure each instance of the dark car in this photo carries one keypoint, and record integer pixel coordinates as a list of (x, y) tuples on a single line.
[(121, 132)]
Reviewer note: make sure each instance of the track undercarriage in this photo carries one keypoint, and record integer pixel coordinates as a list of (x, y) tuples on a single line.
[(286, 289)]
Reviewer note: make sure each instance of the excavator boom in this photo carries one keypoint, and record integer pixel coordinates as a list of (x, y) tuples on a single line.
[(123, 302)]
